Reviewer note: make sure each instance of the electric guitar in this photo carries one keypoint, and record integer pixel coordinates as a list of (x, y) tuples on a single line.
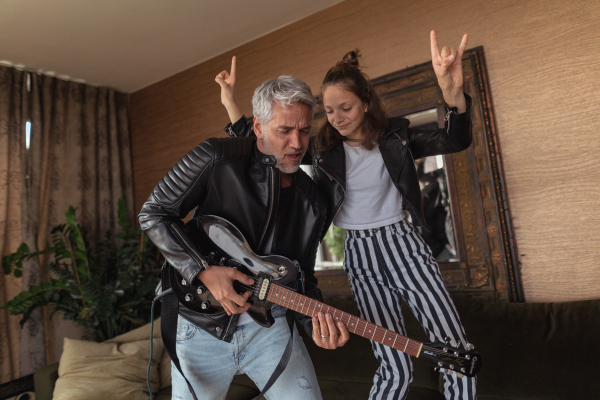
[(275, 282)]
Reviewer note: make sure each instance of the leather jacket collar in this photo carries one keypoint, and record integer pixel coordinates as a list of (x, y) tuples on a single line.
[(263, 158)]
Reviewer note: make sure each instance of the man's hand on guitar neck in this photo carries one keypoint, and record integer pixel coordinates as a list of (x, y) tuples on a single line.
[(326, 334), (219, 280)]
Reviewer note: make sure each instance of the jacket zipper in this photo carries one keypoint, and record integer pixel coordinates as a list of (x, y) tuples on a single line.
[(342, 186), (227, 328), (190, 248), (447, 119), (270, 208)]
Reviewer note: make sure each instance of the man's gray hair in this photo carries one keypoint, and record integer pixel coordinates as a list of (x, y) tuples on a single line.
[(284, 90)]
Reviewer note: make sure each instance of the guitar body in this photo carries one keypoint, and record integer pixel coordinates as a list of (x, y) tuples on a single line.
[(227, 247)]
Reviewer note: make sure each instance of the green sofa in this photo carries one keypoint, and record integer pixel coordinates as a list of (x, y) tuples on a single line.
[(540, 351)]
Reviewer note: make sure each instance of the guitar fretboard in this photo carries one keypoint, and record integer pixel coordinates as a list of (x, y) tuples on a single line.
[(307, 306)]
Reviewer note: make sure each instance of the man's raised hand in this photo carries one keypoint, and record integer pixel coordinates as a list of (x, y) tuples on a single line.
[(219, 280)]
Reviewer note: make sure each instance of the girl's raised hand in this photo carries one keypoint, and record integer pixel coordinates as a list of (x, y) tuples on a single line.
[(448, 64), (228, 97), (448, 69), (227, 82)]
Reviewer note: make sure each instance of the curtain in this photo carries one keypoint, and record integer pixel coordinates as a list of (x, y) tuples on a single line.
[(11, 143), (79, 155)]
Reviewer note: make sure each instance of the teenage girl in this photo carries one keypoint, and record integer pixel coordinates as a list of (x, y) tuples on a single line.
[(364, 162)]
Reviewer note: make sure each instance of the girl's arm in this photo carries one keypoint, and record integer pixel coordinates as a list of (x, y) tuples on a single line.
[(456, 134)]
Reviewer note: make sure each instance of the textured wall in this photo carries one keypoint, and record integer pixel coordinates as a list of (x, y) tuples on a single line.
[(543, 59)]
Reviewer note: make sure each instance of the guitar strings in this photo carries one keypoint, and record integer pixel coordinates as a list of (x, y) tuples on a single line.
[(431, 349)]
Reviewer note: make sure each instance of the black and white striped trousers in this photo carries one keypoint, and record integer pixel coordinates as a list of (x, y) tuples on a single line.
[(385, 266)]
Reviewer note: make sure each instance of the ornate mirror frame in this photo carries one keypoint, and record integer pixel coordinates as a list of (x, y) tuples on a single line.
[(487, 263)]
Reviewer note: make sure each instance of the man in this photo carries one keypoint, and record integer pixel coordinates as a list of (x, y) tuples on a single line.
[(256, 184)]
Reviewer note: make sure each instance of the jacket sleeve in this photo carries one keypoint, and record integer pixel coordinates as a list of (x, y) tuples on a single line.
[(184, 187), (454, 137), (240, 128), (243, 128), (310, 280)]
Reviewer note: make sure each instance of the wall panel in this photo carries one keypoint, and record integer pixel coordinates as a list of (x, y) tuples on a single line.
[(540, 57)]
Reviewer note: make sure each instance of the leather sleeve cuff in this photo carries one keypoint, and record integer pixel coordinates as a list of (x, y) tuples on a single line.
[(237, 126), (453, 111)]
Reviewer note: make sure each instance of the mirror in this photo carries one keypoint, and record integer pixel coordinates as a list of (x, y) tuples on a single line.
[(433, 181)]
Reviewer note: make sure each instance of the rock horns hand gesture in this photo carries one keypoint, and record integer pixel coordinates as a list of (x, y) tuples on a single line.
[(448, 68)]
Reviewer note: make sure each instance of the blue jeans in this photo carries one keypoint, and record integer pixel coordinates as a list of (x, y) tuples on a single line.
[(210, 364)]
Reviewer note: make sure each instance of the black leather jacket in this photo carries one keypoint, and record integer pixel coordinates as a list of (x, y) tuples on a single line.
[(232, 179), (400, 147)]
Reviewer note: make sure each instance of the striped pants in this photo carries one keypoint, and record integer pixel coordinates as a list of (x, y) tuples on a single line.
[(385, 266)]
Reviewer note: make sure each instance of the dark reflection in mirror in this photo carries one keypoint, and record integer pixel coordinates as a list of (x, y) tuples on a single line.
[(433, 180)]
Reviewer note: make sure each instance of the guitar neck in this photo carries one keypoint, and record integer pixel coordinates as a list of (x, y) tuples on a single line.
[(307, 306)]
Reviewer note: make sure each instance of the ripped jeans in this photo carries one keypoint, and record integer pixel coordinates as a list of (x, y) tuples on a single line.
[(210, 364)]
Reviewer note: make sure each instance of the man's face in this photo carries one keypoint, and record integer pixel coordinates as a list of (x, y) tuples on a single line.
[(285, 136)]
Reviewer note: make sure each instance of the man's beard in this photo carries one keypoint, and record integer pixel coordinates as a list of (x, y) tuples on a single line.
[(284, 166)]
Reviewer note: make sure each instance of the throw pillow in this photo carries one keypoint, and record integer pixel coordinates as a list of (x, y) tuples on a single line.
[(101, 371)]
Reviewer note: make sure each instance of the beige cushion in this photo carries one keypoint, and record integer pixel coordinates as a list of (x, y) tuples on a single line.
[(143, 333), (102, 371)]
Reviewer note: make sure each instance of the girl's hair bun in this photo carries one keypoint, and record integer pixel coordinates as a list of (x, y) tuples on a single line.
[(351, 58)]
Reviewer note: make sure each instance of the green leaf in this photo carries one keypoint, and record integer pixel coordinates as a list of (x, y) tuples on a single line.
[(75, 230), (79, 255), (18, 273), (123, 217), (23, 249), (57, 284)]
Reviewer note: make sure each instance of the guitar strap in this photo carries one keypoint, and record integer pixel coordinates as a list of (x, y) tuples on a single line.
[(168, 328), (284, 358)]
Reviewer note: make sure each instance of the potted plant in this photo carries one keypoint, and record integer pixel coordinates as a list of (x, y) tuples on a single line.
[(107, 292)]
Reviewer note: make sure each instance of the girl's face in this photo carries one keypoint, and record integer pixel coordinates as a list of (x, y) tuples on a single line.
[(345, 111)]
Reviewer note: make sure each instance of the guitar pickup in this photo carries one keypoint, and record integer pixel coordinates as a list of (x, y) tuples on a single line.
[(264, 288)]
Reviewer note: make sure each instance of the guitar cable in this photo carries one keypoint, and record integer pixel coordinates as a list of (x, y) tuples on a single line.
[(151, 347), (163, 294)]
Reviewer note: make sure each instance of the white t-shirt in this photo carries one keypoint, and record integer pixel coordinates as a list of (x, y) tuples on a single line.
[(371, 199), (244, 319)]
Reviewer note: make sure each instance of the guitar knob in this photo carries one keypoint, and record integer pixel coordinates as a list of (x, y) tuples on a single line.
[(467, 357), (436, 369), (463, 370), (201, 289), (447, 340), (470, 346), (440, 364), (223, 261), (205, 305), (188, 297), (183, 282), (451, 366), (456, 353)]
